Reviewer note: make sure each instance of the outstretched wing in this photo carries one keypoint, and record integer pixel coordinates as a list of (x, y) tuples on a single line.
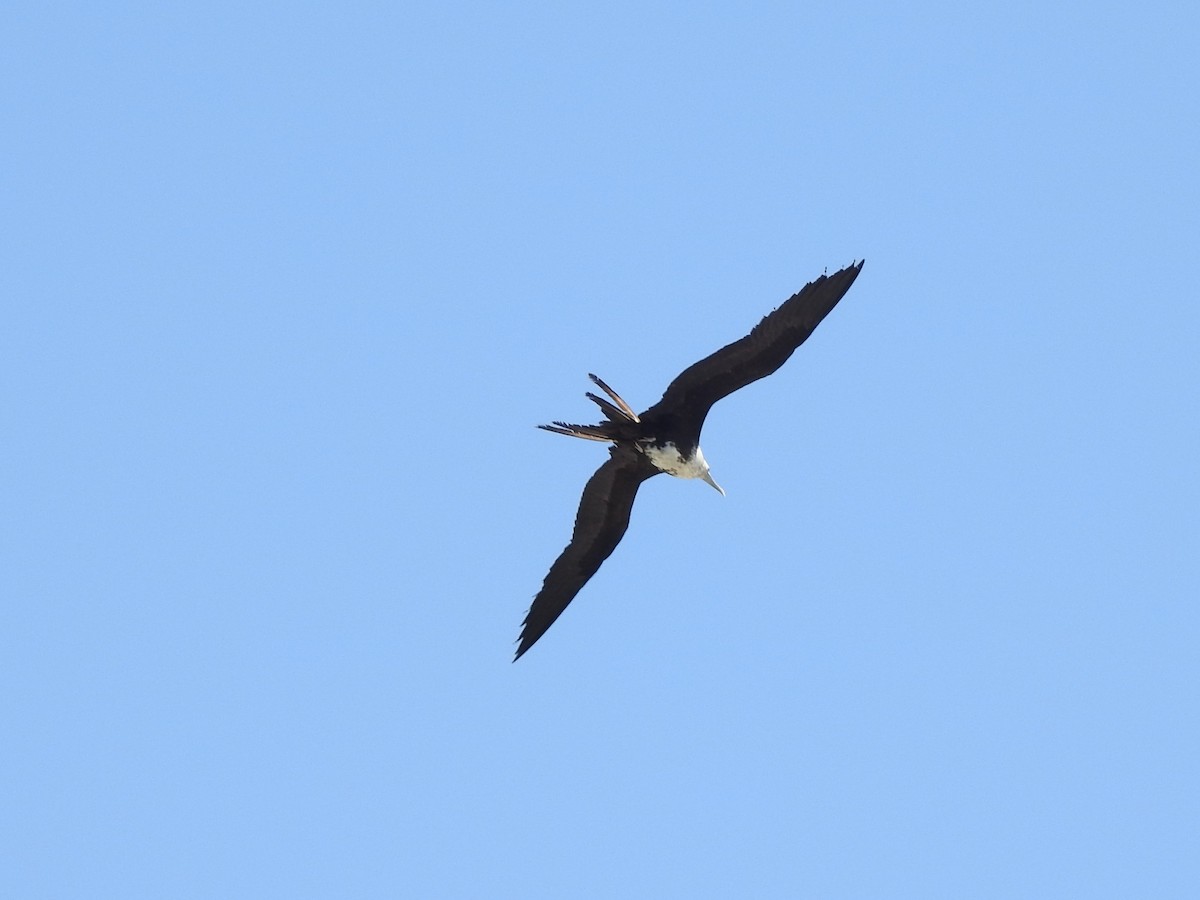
[(599, 526), (757, 355)]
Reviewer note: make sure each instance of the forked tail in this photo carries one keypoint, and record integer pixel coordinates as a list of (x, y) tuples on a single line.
[(618, 414)]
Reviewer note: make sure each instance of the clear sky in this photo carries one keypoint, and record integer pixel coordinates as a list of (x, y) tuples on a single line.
[(286, 288)]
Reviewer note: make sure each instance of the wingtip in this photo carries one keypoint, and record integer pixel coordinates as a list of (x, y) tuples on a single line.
[(525, 640), (522, 648), (851, 271)]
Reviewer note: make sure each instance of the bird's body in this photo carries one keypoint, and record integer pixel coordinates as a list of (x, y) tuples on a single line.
[(666, 438)]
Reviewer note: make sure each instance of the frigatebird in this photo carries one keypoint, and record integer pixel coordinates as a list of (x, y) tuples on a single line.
[(666, 438)]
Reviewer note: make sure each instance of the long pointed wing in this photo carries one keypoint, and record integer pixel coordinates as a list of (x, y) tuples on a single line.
[(599, 526), (757, 355)]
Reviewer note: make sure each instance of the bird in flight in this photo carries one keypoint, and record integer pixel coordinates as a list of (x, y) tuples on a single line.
[(666, 438)]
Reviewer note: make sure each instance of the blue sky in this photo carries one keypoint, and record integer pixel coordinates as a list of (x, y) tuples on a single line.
[(286, 289)]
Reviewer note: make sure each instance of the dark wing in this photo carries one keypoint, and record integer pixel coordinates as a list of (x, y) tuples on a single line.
[(757, 355), (599, 526)]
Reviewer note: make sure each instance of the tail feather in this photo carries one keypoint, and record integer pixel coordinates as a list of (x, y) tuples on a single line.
[(616, 398), (587, 432), (611, 412)]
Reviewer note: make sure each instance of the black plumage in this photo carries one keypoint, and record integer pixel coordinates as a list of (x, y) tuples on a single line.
[(666, 437)]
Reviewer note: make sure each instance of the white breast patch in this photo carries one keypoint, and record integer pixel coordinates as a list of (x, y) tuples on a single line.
[(668, 459)]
